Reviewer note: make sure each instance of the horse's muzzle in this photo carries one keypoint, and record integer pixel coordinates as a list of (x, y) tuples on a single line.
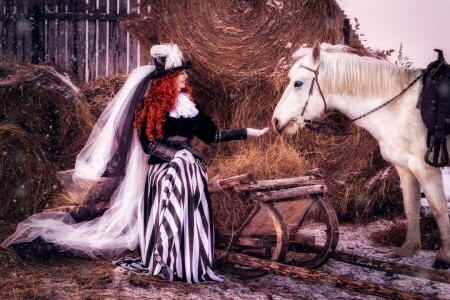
[(277, 125)]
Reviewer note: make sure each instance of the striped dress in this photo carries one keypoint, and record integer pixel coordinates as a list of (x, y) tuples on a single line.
[(176, 229)]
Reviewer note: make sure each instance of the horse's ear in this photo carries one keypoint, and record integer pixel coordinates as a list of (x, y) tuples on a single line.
[(316, 52)]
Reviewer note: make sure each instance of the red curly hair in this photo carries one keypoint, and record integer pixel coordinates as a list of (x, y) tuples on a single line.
[(159, 100)]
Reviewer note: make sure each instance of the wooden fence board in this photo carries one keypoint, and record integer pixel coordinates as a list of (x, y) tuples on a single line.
[(122, 49), (81, 27), (102, 41), (51, 32), (70, 36), (61, 37), (2, 28), (10, 33), (91, 45)]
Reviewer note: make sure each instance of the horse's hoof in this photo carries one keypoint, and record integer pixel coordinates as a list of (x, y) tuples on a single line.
[(441, 265), (405, 252)]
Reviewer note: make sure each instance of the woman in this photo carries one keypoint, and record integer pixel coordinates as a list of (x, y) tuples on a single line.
[(139, 156)]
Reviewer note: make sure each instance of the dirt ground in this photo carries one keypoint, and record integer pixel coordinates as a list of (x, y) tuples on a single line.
[(79, 278)]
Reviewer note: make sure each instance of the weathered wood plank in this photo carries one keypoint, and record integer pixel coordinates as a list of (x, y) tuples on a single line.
[(113, 47), (92, 58), (279, 183), (71, 38), (133, 42), (2, 31), (315, 276), (62, 39), (385, 266), (80, 42), (51, 33), (122, 49), (226, 183), (21, 30), (27, 42), (10, 49), (289, 193), (292, 212), (102, 39)]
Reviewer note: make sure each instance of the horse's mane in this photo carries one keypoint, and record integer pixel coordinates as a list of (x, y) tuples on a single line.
[(349, 74)]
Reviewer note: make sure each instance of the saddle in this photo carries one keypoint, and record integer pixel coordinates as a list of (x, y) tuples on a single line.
[(434, 104)]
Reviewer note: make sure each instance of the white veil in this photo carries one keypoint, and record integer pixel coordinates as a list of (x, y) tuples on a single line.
[(113, 159)]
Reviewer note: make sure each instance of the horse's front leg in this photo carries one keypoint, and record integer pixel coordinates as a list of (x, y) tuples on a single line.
[(411, 201), (431, 181)]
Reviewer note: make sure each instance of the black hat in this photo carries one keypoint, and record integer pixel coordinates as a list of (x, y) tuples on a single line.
[(167, 59)]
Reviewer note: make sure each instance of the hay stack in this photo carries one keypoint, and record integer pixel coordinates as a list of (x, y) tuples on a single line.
[(241, 51), (42, 127)]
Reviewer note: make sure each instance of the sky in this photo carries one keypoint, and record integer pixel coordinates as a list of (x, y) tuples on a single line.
[(421, 25)]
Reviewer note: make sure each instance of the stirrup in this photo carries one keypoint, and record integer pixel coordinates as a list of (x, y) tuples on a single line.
[(435, 147)]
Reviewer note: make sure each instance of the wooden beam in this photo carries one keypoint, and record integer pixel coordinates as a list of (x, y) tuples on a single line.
[(289, 193), (279, 183), (385, 266), (315, 276), (227, 183)]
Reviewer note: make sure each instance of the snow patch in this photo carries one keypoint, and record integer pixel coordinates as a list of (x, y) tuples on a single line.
[(66, 79), (275, 4)]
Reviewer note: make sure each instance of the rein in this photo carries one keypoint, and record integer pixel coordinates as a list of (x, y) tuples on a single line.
[(317, 125)]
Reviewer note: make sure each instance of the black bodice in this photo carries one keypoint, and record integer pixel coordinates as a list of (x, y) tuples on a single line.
[(200, 126)]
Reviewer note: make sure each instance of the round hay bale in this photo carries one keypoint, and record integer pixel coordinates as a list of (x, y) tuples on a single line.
[(241, 52), (46, 125), (27, 176)]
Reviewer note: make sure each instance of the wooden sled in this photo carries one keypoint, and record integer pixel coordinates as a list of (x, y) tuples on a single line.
[(292, 223)]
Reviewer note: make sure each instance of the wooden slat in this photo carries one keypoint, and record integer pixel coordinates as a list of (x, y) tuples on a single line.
[(113, 48), (28, 47), (122, 54), (62, 39), (279, 183), (145, 55), (102, 41), (21, 28), (113, 30), (92, 43), (133, 53), (10, 34), (292, 212), (226, 183), (2, 28), (81, 42), (51, 38), (289, 193), (71, 26)]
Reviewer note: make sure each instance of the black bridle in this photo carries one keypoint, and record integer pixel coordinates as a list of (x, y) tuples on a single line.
[(315, 125), (311, 89)]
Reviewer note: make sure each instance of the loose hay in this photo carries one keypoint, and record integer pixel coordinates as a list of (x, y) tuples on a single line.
[(396, 235)]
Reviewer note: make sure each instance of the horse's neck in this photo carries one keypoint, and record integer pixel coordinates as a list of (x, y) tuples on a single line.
[(354, 107)]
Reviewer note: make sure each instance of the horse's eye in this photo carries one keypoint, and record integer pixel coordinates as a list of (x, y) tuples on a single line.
[(298, 84)]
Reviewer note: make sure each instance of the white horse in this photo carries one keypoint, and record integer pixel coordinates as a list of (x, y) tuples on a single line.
[(354, 85)]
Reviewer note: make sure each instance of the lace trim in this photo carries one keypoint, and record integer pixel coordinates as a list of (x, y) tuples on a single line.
[(184, 107)]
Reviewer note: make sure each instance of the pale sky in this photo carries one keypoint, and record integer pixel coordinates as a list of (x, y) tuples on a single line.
[(421, 25)]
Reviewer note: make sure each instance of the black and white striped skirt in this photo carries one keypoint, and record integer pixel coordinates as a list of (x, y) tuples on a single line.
[(176, 223)]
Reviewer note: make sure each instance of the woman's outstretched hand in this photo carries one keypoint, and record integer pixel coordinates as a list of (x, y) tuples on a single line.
[(256, 132)]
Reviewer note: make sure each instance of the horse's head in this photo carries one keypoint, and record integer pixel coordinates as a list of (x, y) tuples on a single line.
[(303, 99)]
